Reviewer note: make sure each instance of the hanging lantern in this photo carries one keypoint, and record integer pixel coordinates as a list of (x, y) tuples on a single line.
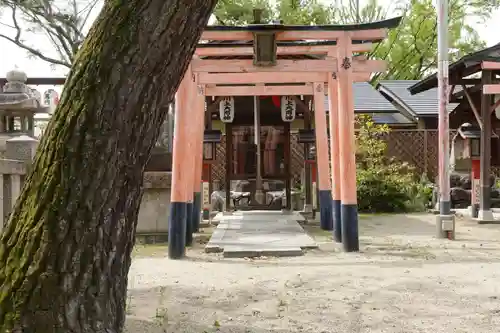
[(276, 101), (497, 109), (288, 108), (226, 109)]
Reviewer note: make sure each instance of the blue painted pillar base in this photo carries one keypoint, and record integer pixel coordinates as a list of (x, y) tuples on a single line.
[(350, 237), (337, 221), (189, 224), (325, 210), (196, 211), (177, 230)]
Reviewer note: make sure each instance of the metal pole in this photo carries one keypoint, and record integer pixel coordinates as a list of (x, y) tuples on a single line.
[(358, 19), (444, 139)]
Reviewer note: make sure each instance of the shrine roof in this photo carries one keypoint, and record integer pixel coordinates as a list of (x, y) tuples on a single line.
[(424, 104), (367, 100), (384, 24), (458, 67)]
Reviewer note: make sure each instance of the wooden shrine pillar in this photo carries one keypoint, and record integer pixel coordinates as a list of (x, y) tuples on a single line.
[(485, 213), (333, 99), (288, 167), (229, 165), (308, 205), (199, 124), (179, 196), (192, 130), (348, 195), (325, 194)]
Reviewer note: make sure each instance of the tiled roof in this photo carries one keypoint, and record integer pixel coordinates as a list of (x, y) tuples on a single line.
[(368, 100), (391, 119), (457, 67), (425, 103)]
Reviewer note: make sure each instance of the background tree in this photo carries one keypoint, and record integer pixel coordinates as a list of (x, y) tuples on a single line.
[(66, 251), (60, 24), (410, 49), (383, 183)]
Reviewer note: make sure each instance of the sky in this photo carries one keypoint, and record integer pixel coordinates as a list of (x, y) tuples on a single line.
[(12, 56)]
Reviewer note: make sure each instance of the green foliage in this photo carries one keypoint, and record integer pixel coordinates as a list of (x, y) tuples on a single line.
[(384, 184), (410, 49), (304, 12), (239, 12)]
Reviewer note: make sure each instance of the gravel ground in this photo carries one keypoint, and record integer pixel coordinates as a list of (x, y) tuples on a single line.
[(403, 280)]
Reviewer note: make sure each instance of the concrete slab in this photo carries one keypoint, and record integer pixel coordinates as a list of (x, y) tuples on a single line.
[(257, 215), (494, 218), (260, 233), (245, 252)]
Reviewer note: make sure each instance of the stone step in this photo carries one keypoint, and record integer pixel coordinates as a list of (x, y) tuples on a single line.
[(232, 251)]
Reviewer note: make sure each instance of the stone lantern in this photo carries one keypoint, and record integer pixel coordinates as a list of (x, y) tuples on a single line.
[(466, 154), (18, 106)]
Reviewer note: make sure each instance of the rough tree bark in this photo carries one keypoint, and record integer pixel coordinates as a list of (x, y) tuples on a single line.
[(65, 254)]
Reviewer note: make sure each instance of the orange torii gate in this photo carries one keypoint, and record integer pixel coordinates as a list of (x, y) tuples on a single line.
[(255, 60)]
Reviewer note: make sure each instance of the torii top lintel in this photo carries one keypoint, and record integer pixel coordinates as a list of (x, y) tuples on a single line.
[(374, 31), (283, 54)]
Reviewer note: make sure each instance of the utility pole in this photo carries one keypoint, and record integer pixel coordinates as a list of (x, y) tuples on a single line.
[(358, 18), (445, 225)]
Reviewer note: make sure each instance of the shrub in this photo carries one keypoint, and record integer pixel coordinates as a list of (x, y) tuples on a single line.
[(384, 184)]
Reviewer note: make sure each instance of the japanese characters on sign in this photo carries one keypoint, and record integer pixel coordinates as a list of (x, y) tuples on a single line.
[(288, 108), (226, 109)]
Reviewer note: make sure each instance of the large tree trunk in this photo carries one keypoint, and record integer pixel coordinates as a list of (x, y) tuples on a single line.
[(65, 254)]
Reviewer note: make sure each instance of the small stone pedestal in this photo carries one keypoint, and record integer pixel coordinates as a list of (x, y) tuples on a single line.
[(445, 226), (21, 148), (486, 217)]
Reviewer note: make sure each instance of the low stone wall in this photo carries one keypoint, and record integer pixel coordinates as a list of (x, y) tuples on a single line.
[(155, 205)]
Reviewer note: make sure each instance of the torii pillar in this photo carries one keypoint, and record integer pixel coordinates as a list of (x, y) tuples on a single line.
[(347, 144), (333, 96), (199, 123), (179, 197), (189, 105), (325, 195), (190, 157)]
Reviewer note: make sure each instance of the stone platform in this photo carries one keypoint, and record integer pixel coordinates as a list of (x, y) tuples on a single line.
[(259, 233)]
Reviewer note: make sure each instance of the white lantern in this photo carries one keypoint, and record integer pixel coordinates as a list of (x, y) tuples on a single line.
[(288, 108), (226, 109), (51, 99), (497, 109)]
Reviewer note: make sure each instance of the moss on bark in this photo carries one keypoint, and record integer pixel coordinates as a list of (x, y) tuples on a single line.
[(65, 253)]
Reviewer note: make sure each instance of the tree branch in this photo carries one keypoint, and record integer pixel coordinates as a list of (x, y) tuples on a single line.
[(18, 42)]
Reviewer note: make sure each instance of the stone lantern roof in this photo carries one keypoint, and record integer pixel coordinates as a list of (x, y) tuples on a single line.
[(17, 96)]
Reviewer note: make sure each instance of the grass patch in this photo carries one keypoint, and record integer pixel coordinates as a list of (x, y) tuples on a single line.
[(315, 231)]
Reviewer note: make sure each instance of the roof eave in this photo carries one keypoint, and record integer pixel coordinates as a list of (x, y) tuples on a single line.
[(466, 61), (384, 24), (408, 112)]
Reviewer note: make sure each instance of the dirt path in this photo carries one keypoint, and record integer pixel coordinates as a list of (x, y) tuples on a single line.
[(402, 281)]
